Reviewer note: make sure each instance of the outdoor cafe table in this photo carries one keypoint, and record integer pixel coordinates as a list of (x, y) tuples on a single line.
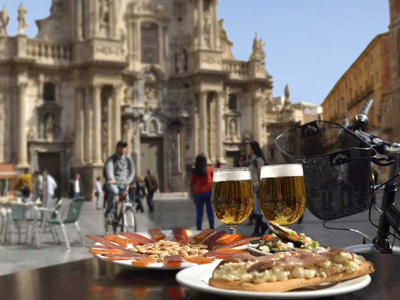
[(93, 279)]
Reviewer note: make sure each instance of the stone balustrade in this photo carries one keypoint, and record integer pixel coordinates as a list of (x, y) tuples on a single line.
[(48, 52), (236, 69), (273, 116)]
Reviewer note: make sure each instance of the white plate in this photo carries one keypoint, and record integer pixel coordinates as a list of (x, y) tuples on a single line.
[(157, 266), (197, 278), (256, 251)]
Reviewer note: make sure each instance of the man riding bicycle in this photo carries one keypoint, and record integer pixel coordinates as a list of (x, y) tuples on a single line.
[(119, 172)]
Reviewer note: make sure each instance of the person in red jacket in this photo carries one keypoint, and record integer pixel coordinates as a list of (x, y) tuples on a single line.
[(201, 179)]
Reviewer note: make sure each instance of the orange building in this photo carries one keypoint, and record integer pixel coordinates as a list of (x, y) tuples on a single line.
[(368, 77)]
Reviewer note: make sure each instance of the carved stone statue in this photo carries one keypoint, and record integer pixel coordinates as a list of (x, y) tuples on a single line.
[(233, 129), (258, 49), (50, 128), (22, 24), (104, 16), (31, 134), (225, 44), (207, 30), (4, 20), (287, 97)]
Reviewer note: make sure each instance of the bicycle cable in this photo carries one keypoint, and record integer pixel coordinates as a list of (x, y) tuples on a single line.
[(369, 214)]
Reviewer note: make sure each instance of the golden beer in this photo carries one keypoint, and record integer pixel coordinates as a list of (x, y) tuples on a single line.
[(232, 201), (232, 196), (282, 197)]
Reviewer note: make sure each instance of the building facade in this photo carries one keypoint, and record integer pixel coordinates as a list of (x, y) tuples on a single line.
[(368, 77), (159, 74), (394, 31)]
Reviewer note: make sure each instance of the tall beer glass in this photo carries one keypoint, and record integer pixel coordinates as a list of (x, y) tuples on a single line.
[(282, 194), (232, 196)]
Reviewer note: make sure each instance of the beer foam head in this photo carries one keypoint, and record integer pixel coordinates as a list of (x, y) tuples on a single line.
[(232, 174), (289, 170)]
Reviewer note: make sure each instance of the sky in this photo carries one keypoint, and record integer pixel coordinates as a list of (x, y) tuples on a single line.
[(309, 44)]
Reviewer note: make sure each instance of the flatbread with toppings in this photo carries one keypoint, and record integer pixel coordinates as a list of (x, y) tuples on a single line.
[(282, 272)]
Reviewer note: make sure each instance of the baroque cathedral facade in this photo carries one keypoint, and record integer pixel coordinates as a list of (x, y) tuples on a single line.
[(157, 73)]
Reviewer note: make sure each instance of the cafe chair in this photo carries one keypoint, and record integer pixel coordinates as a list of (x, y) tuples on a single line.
[(72, 219)]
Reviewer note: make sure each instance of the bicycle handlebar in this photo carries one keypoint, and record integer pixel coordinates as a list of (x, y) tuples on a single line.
[(361, 120)]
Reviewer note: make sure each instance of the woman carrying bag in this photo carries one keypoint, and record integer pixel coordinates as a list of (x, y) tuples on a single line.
[(201, 179)]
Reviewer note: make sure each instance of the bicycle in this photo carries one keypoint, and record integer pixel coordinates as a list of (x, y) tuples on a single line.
[(123, 216), (336, 202)]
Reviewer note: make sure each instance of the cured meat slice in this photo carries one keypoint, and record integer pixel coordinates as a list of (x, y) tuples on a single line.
[(212, 239), (237, 243), (113, 257), (105, 251), (229, 238), (138, 237), (230, 250), (180, 235), (219, 255), (173, 261), (107, 243), (200, 260), (157, 234), (201, 236), (143, 262), (124, 242)]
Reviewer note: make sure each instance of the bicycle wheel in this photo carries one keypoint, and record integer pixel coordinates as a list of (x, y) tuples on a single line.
[(129, 220)]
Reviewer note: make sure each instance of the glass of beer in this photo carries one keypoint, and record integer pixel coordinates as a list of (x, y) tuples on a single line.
[(282, 193), (232, 196)]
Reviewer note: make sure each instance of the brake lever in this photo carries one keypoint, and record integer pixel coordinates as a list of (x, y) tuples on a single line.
[(383, 161)]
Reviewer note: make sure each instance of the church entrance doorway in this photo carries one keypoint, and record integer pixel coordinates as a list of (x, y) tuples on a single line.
[(151, 151)]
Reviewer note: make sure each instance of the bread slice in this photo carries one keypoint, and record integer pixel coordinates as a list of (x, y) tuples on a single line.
[(290, 284)]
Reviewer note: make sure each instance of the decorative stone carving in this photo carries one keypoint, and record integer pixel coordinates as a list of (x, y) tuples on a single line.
[(258, 49), (181, 61), (207, 30), (287, 102), (4, 20), (104, 18), (160, 10), (31, 134), (233, 129), (108, 50), (225, 44), (50, 128), (22, 24)]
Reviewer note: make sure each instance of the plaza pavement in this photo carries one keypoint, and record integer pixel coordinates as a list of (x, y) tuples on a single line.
[(170, 211)]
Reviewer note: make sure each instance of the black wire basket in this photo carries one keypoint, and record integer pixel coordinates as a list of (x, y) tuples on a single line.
[(337, 167)]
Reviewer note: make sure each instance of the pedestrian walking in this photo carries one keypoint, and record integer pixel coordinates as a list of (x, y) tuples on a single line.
[(51, 188), (98, 192), (76, 187), (201, 178), (140, 190), (255, 161), (152, 186)]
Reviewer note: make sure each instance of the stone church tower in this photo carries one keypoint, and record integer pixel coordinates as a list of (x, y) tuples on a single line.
[(157, 73)]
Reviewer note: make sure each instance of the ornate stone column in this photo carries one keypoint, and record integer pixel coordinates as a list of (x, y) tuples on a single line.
[(117, 115), (22, 140), (216, 25), (203, 122), (79, 127), (219, 131), (97, 125), (88, 126), (200, 23), (257, 122)]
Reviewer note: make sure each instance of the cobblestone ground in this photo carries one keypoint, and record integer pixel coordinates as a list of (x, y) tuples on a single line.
[(169, 213)]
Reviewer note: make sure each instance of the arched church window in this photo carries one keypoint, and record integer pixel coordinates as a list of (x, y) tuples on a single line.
[(149, 40), (232, 104), (49, 92)]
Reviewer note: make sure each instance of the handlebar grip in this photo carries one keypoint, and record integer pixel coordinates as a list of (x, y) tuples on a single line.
[(367, 107)]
